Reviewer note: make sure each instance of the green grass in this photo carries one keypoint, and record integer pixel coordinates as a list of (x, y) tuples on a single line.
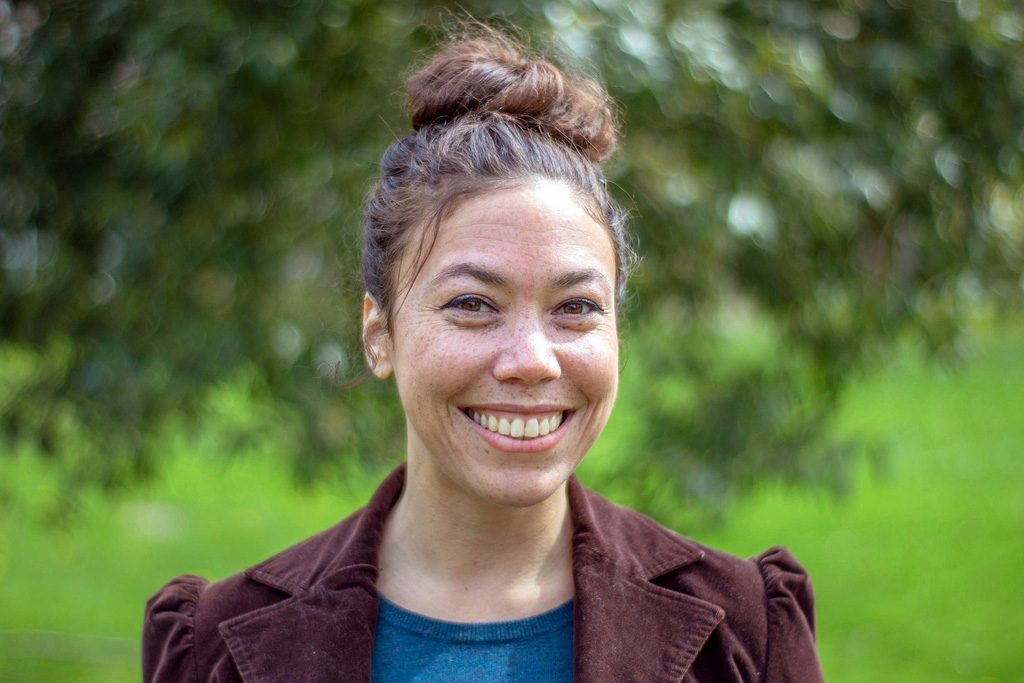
[(918, 572), (72, 600)]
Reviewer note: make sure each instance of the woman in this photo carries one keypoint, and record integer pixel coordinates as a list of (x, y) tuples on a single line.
[(494, 263)]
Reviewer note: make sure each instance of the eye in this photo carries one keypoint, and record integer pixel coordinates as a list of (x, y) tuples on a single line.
[(470, 304), (580, 307)]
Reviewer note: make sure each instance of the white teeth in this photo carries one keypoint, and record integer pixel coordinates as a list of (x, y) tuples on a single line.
[(518, 428)]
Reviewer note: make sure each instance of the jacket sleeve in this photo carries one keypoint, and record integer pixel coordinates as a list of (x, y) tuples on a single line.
[(168, 641), (792, 656)]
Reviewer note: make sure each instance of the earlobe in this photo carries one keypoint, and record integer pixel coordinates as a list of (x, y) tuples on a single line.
[(376, 340)]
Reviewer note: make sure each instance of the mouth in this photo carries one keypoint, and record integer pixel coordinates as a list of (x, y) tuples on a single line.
[(525, 427)]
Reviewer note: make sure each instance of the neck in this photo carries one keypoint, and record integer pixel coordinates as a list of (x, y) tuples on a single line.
[(450, 555)]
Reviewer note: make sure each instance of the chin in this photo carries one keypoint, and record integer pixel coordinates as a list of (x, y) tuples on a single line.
[(522, 489)]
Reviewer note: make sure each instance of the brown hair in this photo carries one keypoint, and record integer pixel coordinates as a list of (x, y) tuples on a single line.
[(486, 117)]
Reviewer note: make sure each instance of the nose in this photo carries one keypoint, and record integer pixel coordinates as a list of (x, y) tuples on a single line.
[(528, 356)]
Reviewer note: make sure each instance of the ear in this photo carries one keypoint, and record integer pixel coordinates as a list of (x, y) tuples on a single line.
[(376, 340)]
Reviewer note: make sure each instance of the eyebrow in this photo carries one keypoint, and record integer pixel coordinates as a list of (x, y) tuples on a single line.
[(490, 277), (578, 277)]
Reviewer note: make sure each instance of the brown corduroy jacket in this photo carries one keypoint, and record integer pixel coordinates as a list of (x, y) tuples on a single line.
[(649, 606)]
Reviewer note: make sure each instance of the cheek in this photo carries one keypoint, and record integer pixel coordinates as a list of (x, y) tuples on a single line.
[(432, 366), (594, 365)]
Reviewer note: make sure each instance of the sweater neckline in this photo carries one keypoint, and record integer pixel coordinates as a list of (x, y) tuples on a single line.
[(478, 632)]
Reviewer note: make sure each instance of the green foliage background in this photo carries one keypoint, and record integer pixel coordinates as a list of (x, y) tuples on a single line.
[(181, 187), (814, 187)]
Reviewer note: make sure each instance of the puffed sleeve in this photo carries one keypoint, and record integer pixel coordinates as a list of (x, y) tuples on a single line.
[(792, 656), (168, 642)]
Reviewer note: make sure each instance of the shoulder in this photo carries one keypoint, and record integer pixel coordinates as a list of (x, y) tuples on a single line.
[(673, 560), (184, 619), (767, 602), (168, 630), (768, 605), (653, 548), (181, 635)]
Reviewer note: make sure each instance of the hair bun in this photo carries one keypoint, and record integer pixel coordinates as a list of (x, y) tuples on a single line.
[(488, 75)]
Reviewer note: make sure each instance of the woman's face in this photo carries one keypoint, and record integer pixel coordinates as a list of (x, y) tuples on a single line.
[(505, 351)]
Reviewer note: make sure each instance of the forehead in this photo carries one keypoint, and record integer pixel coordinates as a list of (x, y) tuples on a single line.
[(525, 232)]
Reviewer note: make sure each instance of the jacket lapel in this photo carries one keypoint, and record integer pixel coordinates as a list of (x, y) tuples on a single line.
[(324, 631), (629, 629), (319, 635), (626, 627)]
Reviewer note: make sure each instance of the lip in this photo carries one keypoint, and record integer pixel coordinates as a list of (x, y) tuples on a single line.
[(512, 445), (532, 409)]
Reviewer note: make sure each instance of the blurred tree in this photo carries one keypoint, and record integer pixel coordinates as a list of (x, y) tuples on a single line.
[(838, 174), (181, 184)]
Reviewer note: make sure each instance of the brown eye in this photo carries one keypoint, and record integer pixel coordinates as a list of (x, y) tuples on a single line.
[(579, 307), (574, 307), (469, 304)]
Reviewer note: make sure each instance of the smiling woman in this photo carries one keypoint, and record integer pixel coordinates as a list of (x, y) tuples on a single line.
[(494, 264), (511, 319)]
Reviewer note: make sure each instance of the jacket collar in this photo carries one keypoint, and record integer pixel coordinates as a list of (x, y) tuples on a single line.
[(626, 626)]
